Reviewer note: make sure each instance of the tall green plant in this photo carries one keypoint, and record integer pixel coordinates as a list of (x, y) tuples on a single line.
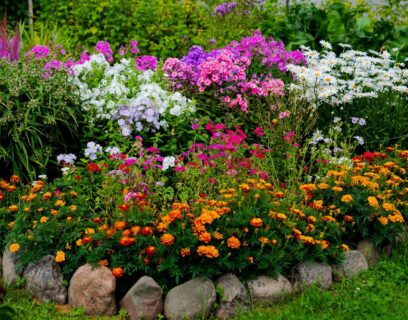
[(38, 117)]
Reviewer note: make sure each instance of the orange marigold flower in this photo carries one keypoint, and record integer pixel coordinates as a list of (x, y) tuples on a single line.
[(124, 207), (323, 186), (69, 219), (12, 208), (175, 214), (328, 219), (279, 194), (256, 222), (324, 244), (185, 252), (372, 201), (208, 251), (348, 218), (274, 242), (119, 225), (347, 198), (54, 212), (103, 262), (89, 231), (146, 231), (310, 228), (135, 230), (308, 187), (73, 208), (311, 219), (60, 256), (11, 188), (263, 240), (59, 203), (250, 260), (345, 247), (14, 179), (86, 239), (27, 209), (44, 219), (218, 236), (396, 218), (388, 206), (337, 189), (383, 220), (79, 242), (318, 204), (117, 272), (150, 250), (233, 243), (14, 247), (167, 239), (126, 241), (205, 237), (47, 195)]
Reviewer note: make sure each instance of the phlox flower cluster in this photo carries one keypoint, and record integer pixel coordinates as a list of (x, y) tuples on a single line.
[(336, 80), (134, 98), (225, 8), (226, 72)]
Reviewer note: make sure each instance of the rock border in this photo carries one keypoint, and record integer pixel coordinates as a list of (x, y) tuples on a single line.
[(203, 299)]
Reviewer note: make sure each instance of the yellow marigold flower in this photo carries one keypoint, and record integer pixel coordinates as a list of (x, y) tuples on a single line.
[(298, 212), (280, 216), (79, 242), (43, 219), (323, 186), (345, 247), (311, 219), (310, 228), (54, 212), (14, 247), (318, 204), (60, 256), (346, 198), (12, 208), (337, 189), (233, 242), (89, 231), (40, 209), (73, 194), (27, 209), (279, 194), (274, 242), (388, 206), (372, 201), (167, 239), (47, 195), (208, 251), (73, 208), (59, 203), (383, 220)]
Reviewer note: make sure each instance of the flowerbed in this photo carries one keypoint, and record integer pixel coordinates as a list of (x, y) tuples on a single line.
[(242, 159)]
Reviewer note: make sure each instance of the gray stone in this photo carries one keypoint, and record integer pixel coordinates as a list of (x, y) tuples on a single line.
[(234, 297), (10, 271), (370, 252), (353, 263), (313, 273), (93, 288), (190, 300), (144, 300), (266, 290), (44, 280)]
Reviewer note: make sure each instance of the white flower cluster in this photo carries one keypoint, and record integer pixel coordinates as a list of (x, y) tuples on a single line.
[(351, 75), (134, 98)]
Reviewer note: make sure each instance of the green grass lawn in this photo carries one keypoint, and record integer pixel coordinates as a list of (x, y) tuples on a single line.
[(380, 293)]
